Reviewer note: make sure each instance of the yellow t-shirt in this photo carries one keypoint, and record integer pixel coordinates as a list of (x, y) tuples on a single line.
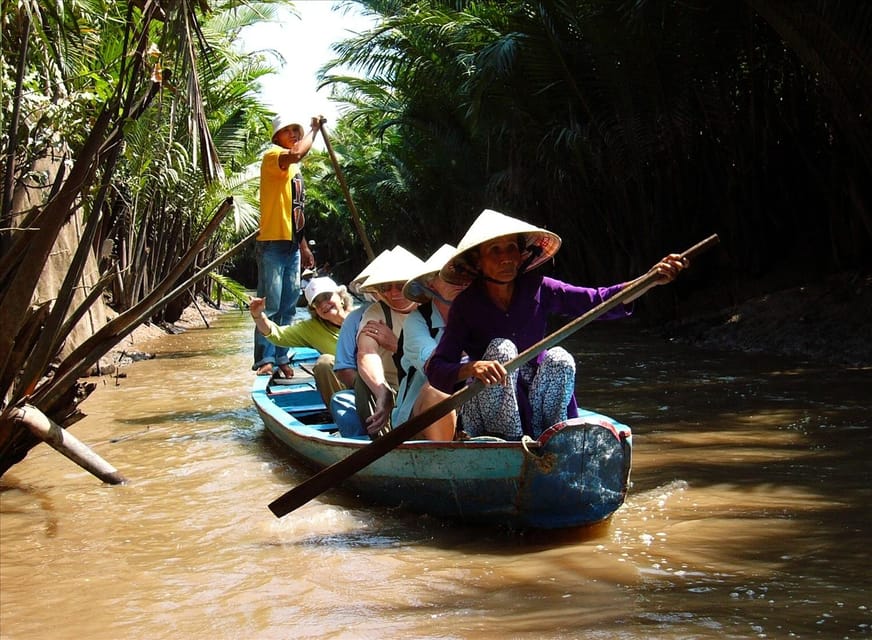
[(276, 197)]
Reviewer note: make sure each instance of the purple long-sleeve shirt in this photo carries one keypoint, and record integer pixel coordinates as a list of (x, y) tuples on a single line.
[(474, 320)]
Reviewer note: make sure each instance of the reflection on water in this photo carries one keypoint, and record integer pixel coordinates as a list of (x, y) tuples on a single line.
[(746, 518)]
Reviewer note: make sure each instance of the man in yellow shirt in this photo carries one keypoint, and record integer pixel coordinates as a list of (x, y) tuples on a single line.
[(281, 246)]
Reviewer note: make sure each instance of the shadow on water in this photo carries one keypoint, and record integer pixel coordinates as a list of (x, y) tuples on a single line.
[(770, 453), (203, 353), (218, 416), (399, 528)]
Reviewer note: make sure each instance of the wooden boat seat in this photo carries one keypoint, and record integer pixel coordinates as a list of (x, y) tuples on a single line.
[(299, 376)]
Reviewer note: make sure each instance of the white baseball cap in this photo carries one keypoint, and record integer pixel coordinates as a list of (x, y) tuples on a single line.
[(283, 121), (317, 286)]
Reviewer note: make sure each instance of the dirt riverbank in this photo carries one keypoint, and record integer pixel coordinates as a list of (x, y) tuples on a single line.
[(829, 322), (145, 339)]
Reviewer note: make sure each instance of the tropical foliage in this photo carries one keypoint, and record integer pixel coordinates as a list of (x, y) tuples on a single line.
[(138, 122), (630, 128)]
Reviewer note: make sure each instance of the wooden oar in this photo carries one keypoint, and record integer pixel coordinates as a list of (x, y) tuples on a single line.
[(342, 183), (338, 471)]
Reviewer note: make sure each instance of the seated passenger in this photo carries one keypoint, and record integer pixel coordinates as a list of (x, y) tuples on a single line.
[(504, 310), (421, 332), (377, 378), (342, 404), (329, 305)]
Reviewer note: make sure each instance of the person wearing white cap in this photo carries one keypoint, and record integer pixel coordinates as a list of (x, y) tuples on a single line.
[(421, 333), (377, 377), (281, 246), (505, 310), (329, 306), (346, 350)]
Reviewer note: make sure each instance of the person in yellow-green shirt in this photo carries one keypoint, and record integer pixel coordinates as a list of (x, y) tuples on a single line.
[(329, 305), (281, 246)]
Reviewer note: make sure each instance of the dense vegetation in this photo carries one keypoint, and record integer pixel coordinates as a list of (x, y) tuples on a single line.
[(630, 128), (132, 127)]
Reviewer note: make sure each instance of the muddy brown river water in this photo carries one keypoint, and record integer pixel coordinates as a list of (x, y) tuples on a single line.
[(748, 516)]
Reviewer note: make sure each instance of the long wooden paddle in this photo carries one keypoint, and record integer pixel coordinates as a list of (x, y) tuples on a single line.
[(338, 471), (355, 217)]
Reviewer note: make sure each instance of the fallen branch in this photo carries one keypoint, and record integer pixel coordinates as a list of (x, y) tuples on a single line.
[(66, 443)]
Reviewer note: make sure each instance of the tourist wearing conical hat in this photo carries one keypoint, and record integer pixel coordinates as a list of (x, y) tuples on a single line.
[(281, 248), (346, 350), (505, 310), (421, 332), (377, 338), (342, 404)]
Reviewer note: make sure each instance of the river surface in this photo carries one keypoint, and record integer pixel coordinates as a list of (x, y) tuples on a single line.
[(748, 516)]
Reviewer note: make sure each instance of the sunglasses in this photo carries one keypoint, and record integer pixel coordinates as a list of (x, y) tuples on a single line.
[(387, 286), (321, 298)]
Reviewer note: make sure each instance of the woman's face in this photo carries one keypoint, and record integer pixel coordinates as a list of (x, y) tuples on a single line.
[(392, 295), (329, 307), (500, 258)]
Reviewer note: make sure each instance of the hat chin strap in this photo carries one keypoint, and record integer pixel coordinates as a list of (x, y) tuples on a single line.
[(407, 309), (435, 295), (535, 251)]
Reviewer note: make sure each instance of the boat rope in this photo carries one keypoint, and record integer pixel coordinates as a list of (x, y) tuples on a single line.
[(544, 462), (526, 440)]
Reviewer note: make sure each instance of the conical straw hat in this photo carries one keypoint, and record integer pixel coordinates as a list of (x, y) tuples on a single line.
[(361, 277), (396, 267), (415, 288), (538, 245)]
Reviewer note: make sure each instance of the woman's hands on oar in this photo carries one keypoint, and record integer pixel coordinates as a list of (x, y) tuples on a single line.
[(664, 272)]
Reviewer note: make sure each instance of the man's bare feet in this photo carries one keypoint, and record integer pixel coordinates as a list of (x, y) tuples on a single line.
[(265, 369), (287, 370)]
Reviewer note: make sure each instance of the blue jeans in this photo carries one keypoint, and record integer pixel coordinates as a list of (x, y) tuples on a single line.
[(344, 411), (278, 280)]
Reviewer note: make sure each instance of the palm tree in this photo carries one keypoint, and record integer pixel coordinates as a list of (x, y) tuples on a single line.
[(135, 152), (628, 128)]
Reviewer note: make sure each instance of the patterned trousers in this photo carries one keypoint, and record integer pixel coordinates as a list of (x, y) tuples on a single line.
[(494, 410)]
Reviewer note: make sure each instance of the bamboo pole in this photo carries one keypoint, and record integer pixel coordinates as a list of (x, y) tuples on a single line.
[(370, 255), (66, 443)]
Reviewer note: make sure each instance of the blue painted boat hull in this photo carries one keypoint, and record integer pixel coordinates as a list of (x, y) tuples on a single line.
[(575, 474)]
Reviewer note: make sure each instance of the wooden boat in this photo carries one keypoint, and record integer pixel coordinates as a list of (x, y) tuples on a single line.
[(575, 474)]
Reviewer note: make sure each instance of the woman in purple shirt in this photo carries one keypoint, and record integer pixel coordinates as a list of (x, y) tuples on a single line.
[(504, 310)]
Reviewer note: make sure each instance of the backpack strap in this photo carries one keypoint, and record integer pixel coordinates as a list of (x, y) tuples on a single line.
[(389, 319), (426, 311)]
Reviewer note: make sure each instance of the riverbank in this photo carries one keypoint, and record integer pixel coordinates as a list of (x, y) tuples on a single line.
[(146, 338), (826, 323)]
